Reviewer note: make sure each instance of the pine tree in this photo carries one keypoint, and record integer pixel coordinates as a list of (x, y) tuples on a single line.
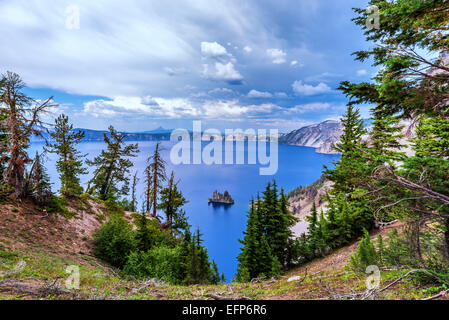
[(365, 254), (133, 192), (384, 149), (268, 247), (429, 167), (348, 210), (249, 258), (155, 176), (216, 277), (194, 260), (332, 227), (142, 234), (112, 167), (70, 163), (266, 259), (3, 143), (381, 248), (22, 119), (39, 183), (312, 219), (180, 222), (285, 232), (351, 146), (385, 138), (171, 200), (184, 256), (411, 86), (275, 220)]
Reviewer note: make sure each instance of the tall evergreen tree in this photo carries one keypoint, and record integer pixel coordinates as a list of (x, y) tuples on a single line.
[(69, 163), (155, 176), (171, 200), (38, 183), (133, 192), (386, 138), (112, 167), (205, 270), (352, 161), (268, 244), (142, 236), (251, 254), (198, 268), (274, 222), (3, 143), (429, 167), (312, 228), (285, 232), (413, 86), (216, 277)]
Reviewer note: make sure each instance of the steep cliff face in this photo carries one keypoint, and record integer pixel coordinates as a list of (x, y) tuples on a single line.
[(320, 136), (302, 198), (301, 201)]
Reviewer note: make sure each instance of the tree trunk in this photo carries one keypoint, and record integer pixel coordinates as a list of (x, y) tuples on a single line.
[(154, 195), (446, 238)]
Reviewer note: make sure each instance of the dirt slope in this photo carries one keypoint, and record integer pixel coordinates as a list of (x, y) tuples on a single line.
[(36, 248)]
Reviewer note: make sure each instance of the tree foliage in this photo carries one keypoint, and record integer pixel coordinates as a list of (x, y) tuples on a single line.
[(171, 201), (112, 167), (69, 163), (155, 175), (267, 242), (21, 119)]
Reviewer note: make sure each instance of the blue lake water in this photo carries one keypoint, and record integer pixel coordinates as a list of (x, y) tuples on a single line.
[(222, 227)]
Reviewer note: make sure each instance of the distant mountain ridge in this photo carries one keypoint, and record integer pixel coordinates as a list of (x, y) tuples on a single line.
[(159, 130), (98, 135), (320, 136)]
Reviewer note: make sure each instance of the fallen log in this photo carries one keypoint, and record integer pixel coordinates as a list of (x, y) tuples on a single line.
[(217, 297)]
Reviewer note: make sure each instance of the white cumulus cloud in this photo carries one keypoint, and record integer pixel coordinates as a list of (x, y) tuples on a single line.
[(213, 49), (309, 90), (176, 108), (222, 71), (310, 107), (259, 94), (277, 55), (362, 72), (281, 95)]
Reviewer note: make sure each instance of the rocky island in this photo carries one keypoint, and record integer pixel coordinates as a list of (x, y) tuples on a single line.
[(224, 198)]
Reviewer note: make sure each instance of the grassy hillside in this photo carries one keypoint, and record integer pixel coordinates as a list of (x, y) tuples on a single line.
[(49, 243)]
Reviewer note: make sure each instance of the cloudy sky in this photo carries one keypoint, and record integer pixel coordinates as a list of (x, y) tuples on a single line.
[(143, 64)]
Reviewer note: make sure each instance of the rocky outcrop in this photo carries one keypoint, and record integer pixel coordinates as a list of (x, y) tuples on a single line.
[(224, 198), (301, 201), (320, 136)]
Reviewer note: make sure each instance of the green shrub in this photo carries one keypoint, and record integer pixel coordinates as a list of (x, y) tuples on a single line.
[(398, 252), (154, 233), (160, 262), (5, 191), (114, 241), (58, 205), (365, 254), (114, 208)]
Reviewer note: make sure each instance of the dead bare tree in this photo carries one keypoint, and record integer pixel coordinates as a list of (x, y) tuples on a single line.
[(23, 119)]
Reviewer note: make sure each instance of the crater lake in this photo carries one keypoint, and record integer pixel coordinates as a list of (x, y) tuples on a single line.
[(221, 226)]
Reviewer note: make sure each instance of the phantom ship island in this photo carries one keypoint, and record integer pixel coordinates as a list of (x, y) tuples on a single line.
[(224, 198)]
